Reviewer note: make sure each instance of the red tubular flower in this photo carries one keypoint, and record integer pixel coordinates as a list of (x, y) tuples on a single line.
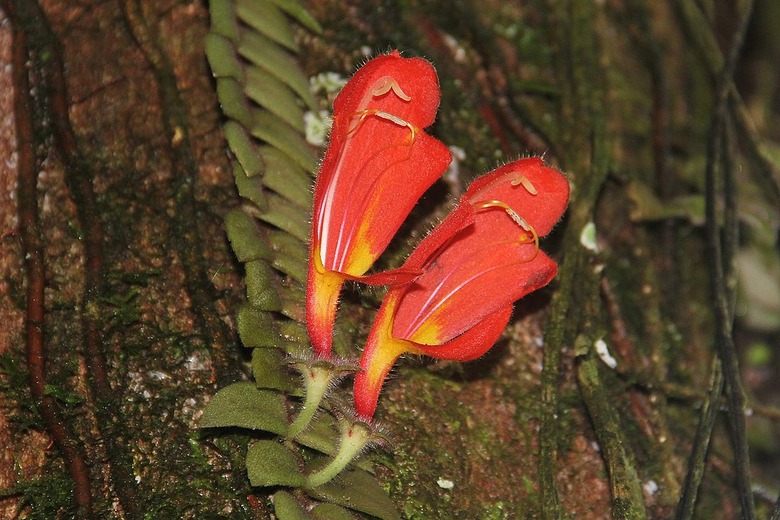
[(378, 164), (476, 263)]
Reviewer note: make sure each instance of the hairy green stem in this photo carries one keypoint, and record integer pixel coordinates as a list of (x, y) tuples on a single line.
[(354, 438), (317, 382)]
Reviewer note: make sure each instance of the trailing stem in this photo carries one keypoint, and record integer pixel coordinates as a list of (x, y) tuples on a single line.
[(721, 257), (32, 244), (79, 177)]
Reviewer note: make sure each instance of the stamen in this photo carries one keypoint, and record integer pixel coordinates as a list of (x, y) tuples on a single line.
[(363, 114), (516, 218), (385, 85), (526, 183)]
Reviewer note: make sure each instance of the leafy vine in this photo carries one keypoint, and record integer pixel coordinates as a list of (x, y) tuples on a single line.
[(261, 88)]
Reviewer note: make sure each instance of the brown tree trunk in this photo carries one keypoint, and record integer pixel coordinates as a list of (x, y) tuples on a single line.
[(119, 291)]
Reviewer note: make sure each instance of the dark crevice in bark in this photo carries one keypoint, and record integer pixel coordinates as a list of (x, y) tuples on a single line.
[(186, 236)]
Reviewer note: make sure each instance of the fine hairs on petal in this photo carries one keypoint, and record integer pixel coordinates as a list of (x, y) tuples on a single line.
[(371, 292), (368, 55)]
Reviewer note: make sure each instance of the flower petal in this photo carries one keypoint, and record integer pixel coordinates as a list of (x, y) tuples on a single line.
[(536, 192), (482, 258), (474, 342), (379, 161), (465, 284), (378, 164), (379, 355), (322, 295), (476, 263)]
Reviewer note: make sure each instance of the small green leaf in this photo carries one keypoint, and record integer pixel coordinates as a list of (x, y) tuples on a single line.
[(257, 328), (357, 489), (245, 237), (222, 57), (269, 128), (331, 512), (243, 405), (299, 13), (251, 188), (285, 216), (261, 290), (233, 101), (266, 18), (270, 370), (223, 19), (243, 148), (295, 267), (270, 463), (270, 93), (286, 178), (293, 303), (265, 53), (294, 332), (286, 244), (287, 508)]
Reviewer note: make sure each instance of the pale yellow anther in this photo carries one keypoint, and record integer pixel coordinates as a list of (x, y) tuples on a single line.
[(516, 218), (363, 114), (525, 183), (386, 84)]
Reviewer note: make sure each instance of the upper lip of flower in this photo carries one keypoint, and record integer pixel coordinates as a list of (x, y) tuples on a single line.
[(378, 164)]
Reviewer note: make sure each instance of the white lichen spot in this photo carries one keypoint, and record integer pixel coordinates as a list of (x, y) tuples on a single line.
[(458, 153), (158, 375), (198, 362), (191, 409), (650, 487), (603, 351), (588, 237), (445, 483), (317, 126), (135, 381)]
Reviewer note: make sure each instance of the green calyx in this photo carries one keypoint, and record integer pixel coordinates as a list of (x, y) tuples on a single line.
[(355, 437), (318, 376)]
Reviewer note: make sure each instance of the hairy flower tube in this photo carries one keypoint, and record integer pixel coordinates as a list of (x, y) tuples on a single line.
[(378, 164), (483, 257)]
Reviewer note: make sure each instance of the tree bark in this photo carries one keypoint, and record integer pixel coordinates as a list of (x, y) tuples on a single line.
[(119, 290)]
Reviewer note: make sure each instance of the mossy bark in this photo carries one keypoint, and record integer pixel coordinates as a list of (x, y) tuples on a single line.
[(141, 288)]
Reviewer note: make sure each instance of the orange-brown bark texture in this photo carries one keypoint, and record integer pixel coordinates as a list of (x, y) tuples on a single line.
[(131, 177)]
